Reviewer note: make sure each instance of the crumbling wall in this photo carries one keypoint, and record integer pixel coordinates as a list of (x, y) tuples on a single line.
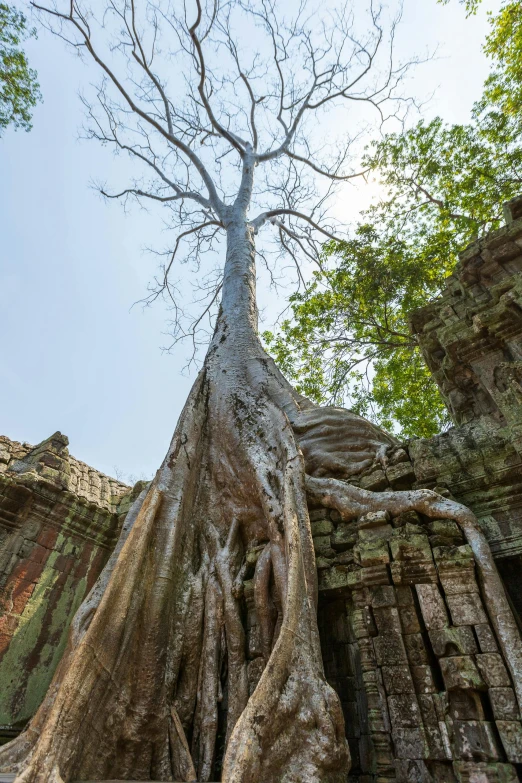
[(59, 520), (409, 647)]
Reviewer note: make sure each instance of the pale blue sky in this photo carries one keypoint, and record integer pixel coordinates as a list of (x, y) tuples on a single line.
[(75, 356)]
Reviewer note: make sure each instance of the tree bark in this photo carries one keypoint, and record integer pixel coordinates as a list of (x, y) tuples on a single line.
[(161, 639)]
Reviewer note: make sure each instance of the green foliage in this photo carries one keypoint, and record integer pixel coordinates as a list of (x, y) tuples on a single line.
[(347, 340), (19, 88)]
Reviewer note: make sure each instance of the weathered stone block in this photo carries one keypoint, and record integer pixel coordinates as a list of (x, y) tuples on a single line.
[(486, 638), (460, 672), (343, 537), (428, 711), (482, 772), (383, 595), (373, 519), (504, 703), (404, 595), (375, 481), (423, 679), (373, 553), (362, 623), (407, 517), (367, 654), (410, 743), (432, 607), (322, 546), (390, 650), (453, 641), (410, 545), (409, 619), (375, 575), (442, 772), (416, 649), (412, 771), (387, 620), (401, 476), (466, 609), (404, 710), (437, 744), (397, 679), (414, 573), (465, 705), (446, 528), (475, 741), (322, 527), (493, 671), (511, 735)]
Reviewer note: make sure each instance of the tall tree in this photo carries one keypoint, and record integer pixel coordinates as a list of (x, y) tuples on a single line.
[(155, 668), (19, 88)]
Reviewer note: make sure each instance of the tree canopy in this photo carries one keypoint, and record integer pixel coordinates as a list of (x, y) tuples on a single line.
[(347, 337), (19, 88)]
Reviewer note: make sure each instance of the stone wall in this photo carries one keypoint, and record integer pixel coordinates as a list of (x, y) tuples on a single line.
[(471, 338), (59, 520)]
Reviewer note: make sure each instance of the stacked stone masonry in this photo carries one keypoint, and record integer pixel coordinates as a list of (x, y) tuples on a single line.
[(59, 520)]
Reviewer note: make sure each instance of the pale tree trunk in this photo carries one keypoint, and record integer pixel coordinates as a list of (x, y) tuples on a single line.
[(160, 644)]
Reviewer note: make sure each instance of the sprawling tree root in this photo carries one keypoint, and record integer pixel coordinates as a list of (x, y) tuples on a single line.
[(155, 669)]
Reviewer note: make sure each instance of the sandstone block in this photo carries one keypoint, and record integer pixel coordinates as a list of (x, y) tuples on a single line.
[(493, 671), (423, 679), (412, 771), (466, 609), (322, 545), (482, 772), (486, 638), (475, 741), (409, 620), (373, 553), (410, 743), (401, 476), (404, 710), (442, 773), (375, 575), (397, 679), (390, 650), (511, 735), (407, 545), (404, 595), (382, 595), (367, 654), (322, 527), (432, 606), (416, 649), (374, 481), (460, 672), (318, 514), (414, 573), (344, 537), (362, 623), (504, 703), (465, 705), (428, 711), (373, 519), (387, 620), (407, 517), (437, 744), (453, 641)]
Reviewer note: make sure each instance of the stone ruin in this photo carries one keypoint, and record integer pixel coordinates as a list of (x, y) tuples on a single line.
[(407, 642)]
